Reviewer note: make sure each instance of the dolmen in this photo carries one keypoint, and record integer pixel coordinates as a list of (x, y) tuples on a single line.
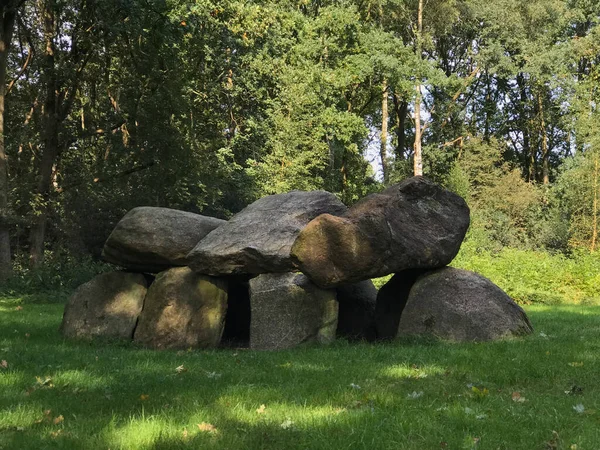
[(294, 268)]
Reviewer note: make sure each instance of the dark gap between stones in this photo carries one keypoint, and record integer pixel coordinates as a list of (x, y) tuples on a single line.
[(391, 300), (236, 333)]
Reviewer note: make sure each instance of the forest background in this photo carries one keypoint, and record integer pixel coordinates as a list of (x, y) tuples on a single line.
[(207, 105)]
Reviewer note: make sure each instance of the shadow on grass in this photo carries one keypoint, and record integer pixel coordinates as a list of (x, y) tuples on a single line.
[(118, 396)]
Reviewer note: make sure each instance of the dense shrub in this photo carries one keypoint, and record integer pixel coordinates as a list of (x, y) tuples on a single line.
[(60, 274), (536, 276)]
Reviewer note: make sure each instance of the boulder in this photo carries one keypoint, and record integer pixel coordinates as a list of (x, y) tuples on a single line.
[(460, 305), (356, 316), (258, 239), (391, 300), (149, 239), (288, 310), (183, 310), (108, 306), (414, 224)]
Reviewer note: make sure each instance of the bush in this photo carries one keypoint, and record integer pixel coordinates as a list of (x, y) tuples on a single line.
[(536, 276), (60, 274)]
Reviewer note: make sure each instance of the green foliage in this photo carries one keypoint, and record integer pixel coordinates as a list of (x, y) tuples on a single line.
[(206, 106), (53, 281), (578, 197), (536, 276)]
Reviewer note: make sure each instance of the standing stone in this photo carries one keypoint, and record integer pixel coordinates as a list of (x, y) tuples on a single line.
[(460, 305), (356, 317), (288, 310), (107, 306), (411, 225), (152, 239), (183, 310), (258, 239)]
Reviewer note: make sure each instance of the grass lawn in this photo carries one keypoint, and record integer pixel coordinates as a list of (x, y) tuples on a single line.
[(540, 392)]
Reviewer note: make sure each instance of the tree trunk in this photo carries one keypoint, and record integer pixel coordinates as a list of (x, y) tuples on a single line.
[(50, 139), (7, 20), (526, 153), (401, 109), (418, 156), (593, 244), (544, 138), (384, 132)]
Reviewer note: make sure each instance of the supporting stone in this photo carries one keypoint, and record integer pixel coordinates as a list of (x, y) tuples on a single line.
[(288, 310)]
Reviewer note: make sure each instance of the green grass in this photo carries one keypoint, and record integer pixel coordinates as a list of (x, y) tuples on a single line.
[(120, 397)]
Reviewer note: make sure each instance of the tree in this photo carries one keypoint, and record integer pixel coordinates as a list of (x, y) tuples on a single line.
[(418, 157), (8, 15)]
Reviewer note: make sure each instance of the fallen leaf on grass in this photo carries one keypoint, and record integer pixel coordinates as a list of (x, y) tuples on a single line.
[(207, 427), (44, 381), (4, 364), (180, 369), (414, 395), (144, 397), (58, 420), (517, 398), (213, 375), (553, 443), (480, 393), (56, 433), (19, 308), (287, 424), (261, 409), (574, 390)]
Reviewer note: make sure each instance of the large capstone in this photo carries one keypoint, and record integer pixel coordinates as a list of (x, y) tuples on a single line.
[(183, 310), (155, 239), (414, 224), (108, 306), (356, 317), (258, 239), (288, 310), (460, 305)]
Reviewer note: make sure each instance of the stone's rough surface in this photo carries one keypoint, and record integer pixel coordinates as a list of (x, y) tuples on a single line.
[(182, 310), (356, 318), (288, 309), (108, 306), (391, 300), (414, 224), (459, 305), (155, 239), (258, 239)]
